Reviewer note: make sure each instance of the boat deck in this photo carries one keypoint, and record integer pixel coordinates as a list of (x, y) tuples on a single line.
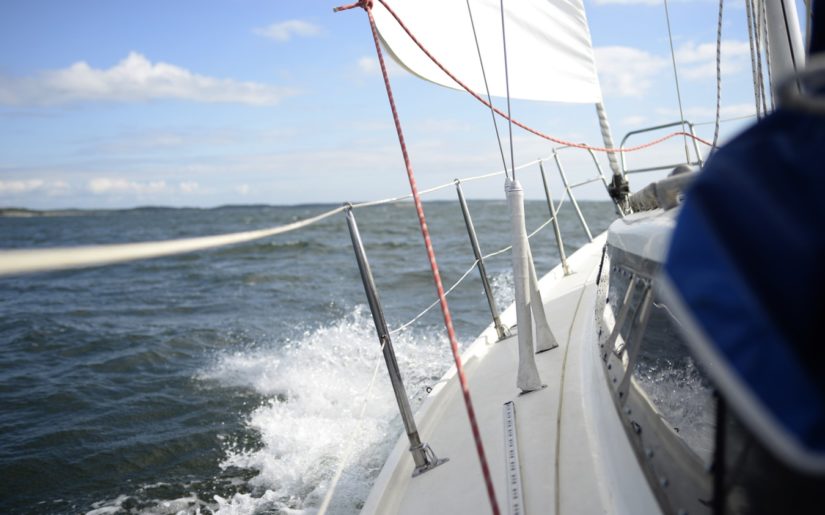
[(563, 467)]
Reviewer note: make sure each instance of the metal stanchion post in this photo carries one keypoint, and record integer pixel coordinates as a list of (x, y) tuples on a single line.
[(488, 292), (423, 456), (554, 214)]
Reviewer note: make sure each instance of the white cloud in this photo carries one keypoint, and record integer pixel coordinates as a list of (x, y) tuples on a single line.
[(369, 65), (104, 185), (20, 187), (633, 120), (626, 71), (135, 78), (285, 30), (188, 186), (699, 61), (243, 189), (707, 114)]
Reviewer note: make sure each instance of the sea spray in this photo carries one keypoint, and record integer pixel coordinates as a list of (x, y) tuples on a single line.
[(315, 388)]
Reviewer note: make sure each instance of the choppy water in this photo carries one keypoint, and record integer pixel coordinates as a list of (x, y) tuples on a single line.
[(227, 381)]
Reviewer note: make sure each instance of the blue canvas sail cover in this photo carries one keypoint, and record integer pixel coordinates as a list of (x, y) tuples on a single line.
[(746, 273)]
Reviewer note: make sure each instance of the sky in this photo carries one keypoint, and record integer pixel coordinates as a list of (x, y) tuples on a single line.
[(115, 104)]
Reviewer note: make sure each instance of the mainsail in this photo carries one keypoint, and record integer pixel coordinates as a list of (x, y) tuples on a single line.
[(549, 52)]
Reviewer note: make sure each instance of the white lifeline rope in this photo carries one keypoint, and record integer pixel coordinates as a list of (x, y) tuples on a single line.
[(14, 262), (437, 301), (461, 279), (63, 258)]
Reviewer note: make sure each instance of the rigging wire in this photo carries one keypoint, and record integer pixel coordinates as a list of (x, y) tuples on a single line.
[(487, 87), (507, 85), (757, 21), (753, 54), (676, 78), (718, 75), (767, 51)]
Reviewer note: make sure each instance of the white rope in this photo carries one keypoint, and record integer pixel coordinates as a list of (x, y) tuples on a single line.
[(353, 438), (434, 304), (24, 261), (408, 196), (718, 75), (726, 120), (492, 254), (63, 258), (542, 226)]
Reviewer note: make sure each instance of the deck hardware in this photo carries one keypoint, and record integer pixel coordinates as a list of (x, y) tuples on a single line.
[(661, 167), (482, 271), (648, 452), (664, 482), (515, 502), (554, 217), (424, 458), (636, 427)]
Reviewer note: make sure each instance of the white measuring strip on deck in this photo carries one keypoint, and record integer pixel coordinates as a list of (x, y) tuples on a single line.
[(515, 503)]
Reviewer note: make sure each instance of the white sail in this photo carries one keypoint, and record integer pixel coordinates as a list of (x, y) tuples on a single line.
[(549, 52)]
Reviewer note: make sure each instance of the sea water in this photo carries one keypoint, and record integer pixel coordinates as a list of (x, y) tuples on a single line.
[(230, 380)]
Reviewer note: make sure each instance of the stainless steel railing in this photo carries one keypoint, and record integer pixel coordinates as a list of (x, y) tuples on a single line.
[(688, 161)]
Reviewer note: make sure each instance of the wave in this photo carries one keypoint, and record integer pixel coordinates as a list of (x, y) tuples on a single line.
[(315, 388)]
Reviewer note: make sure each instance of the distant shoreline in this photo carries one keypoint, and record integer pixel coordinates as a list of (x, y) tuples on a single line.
[(14, 212), (21, 212)]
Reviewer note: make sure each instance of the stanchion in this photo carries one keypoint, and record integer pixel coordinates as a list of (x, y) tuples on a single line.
[(488, 292), (423, 456)]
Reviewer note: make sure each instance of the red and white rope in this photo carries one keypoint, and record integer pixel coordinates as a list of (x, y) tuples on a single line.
[(485, 468)]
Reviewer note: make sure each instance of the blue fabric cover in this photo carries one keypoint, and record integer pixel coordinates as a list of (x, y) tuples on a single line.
[(747, 257)]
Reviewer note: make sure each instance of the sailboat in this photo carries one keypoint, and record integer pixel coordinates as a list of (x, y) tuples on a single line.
[(635, 402), (624, 396)]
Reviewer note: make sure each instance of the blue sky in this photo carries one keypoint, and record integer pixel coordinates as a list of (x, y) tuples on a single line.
[(280, 102)]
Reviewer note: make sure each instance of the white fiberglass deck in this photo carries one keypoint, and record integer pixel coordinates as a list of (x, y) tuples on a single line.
[(574, 455)]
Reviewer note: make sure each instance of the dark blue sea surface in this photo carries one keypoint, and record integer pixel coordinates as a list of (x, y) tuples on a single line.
[(230, 380)]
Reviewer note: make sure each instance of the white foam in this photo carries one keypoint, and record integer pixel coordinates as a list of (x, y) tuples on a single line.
[(316, 387), (503, 289)]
